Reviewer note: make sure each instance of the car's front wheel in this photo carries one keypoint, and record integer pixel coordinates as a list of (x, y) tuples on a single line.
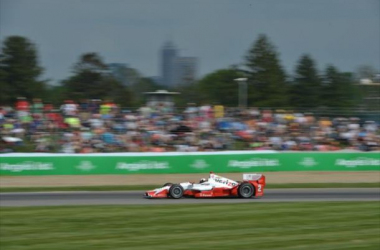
[(246, 190), (176, 191)]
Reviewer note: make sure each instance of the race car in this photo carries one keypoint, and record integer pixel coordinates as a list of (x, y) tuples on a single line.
[(215, 186)]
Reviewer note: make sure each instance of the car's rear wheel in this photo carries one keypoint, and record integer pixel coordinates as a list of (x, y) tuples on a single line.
[(167, 184), (176, 191), (246, 190)]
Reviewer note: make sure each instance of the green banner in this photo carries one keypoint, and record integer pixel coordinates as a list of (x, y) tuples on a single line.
[(165, 163)]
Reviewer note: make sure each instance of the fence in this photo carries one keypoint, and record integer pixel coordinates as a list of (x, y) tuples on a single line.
[(198, 162)]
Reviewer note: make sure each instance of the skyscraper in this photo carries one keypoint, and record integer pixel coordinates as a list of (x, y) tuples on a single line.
[(186, 70), (176, 70), (168, 56)]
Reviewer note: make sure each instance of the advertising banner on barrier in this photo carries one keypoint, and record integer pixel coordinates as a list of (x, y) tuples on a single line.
[(200, 162)]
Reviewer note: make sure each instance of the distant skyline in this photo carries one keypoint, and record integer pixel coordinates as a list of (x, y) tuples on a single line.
[(345, 33), (176, 69)]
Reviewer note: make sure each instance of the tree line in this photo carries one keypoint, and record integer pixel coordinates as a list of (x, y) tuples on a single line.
[(20, 76), (268, 83), (270, 86)]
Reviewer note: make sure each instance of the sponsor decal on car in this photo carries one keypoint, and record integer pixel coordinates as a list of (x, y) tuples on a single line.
[(205, 195), (254, 162), (141, 165), (27, 166), (225, 182)]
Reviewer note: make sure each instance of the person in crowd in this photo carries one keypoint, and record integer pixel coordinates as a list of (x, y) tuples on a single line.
[(101, 126)]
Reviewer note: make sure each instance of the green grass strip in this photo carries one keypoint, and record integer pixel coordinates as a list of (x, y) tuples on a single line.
[(321, 225), (148, 187)]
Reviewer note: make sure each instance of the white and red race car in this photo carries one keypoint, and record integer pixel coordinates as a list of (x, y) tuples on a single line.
[(215, 186)]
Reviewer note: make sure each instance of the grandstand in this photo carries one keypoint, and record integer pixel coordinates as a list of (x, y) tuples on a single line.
[(102, 126)]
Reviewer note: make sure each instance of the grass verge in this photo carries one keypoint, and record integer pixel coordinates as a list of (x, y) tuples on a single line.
[(148, 187), (322, 225)]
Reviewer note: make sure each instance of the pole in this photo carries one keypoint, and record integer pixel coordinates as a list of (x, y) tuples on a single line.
[(244, 83), (242, 92)]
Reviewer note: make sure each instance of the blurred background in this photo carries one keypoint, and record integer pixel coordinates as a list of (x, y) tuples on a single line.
[(279, 81), (158, 76)]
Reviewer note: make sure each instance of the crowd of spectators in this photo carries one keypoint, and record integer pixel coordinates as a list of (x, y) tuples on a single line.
[(92, 126)]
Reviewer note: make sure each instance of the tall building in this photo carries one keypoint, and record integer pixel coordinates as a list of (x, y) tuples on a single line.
[(176, 70), (168, 56), (186, 70)]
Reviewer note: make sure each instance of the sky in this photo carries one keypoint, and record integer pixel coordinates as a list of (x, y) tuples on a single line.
[(345, 33)]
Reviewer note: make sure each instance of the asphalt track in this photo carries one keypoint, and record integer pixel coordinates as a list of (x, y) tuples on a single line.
[(136, 197)]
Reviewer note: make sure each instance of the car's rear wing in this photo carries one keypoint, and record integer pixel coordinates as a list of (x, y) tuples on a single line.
[(252, 177)]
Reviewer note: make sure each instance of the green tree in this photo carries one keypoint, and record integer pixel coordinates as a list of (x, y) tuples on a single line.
[(139, 87), (133, 76), (306, 89), (90, 62), (369, 91), (4, 87), (92, 81), (19, 70), (338, 88), (365, 72), (189, 93), (55, 95), (266, 78), (219, 87)]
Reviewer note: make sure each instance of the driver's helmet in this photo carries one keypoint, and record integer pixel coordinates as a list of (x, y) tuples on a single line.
[(203, 180)]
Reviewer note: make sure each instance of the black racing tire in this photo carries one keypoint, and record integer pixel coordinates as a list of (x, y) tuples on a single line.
[(167, 184), (176, 191), (246, 190)]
